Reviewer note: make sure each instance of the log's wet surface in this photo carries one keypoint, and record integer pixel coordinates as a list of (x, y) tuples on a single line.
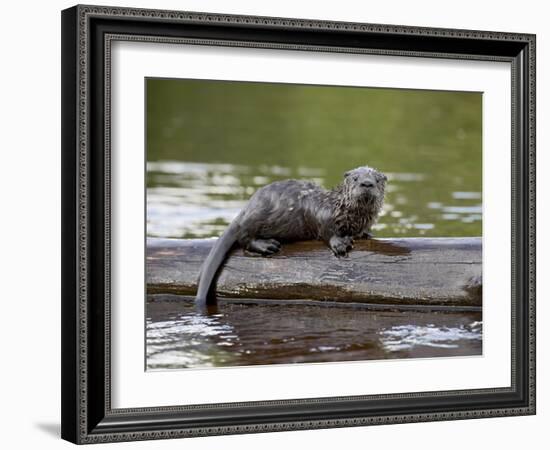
[(179, 337)]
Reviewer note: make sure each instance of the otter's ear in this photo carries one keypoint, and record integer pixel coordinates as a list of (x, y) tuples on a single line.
[(347, 174)]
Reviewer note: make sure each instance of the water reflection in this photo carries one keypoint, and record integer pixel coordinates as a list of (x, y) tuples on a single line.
[(197, 200), (406, 337), (240, 335)]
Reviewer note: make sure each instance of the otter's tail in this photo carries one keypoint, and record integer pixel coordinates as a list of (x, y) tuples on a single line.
[(210, 267)]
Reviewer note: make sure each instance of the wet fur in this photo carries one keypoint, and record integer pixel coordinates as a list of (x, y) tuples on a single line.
[(294, 210)]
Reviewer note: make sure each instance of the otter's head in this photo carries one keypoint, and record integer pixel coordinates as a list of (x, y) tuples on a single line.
[(365, 184)]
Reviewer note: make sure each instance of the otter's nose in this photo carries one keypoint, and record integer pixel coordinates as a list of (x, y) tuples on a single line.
[(367, 184)]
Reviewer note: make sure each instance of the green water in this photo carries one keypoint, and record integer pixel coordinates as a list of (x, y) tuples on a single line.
[(211, 144)]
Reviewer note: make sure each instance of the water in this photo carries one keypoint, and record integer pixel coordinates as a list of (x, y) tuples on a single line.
[(198, 200), (243, 335), (211, 145)]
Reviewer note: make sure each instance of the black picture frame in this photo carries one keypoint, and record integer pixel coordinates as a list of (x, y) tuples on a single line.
[(87, 416)]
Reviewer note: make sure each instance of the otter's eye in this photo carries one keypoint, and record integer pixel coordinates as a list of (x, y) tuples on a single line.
[(355, 178)]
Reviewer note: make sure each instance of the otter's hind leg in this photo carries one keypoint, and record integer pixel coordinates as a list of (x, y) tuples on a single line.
[(263, 246)]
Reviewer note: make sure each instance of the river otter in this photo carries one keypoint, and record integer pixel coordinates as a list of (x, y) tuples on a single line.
[(293, 210)]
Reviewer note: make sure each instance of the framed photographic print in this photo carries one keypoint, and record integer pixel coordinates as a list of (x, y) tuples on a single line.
[(281, 224)]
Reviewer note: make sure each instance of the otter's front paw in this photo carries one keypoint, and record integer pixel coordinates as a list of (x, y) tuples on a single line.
[(340, 246)]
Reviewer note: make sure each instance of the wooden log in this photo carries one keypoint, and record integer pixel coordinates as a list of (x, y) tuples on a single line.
[(424, 272)]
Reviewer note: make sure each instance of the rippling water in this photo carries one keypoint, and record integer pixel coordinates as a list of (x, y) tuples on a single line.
[(211, 144), (241, 335), (189, 200)]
